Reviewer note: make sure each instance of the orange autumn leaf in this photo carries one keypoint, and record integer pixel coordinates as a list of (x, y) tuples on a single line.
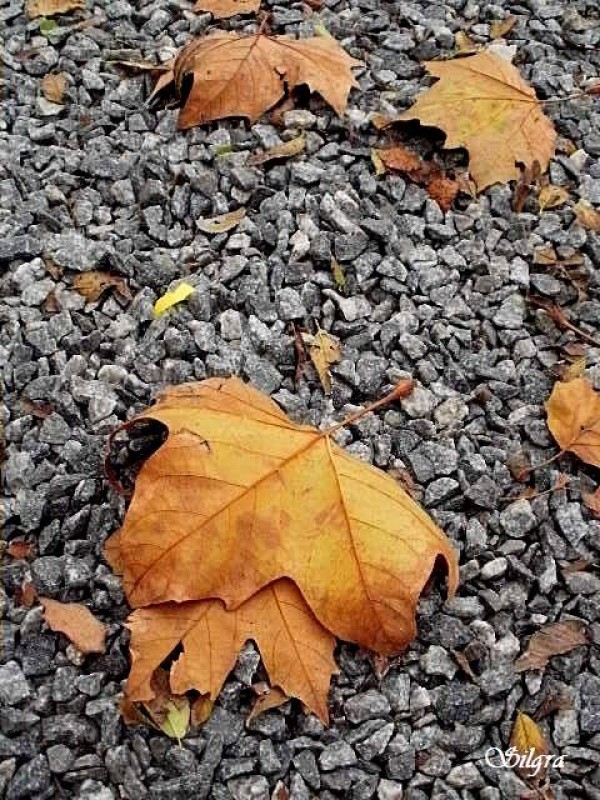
[(77, 622), (247, 496), (222, 9), (483, 104), (400, 158), (573, 411), (297, 651), (443, 191), (235, 75)]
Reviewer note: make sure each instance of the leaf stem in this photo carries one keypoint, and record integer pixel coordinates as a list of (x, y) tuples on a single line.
[(402, 389), (546, 462)]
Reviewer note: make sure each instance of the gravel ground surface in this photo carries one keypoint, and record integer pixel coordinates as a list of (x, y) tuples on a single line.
[(103, 182)]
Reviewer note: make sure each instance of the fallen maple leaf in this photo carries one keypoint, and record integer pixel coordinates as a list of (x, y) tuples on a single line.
[(526, 737), (483, 104), (49, 8), (553, 640), (587, 215), (236, 75), (573, 411), (77, 622), (53, 87), (297, 651), (94, 283), (247, 497), (324, 350), (222, 9)]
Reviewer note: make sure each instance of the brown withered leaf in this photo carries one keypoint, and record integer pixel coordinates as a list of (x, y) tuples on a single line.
[(592, 501), (77, 622), (49, 8), (553, 640), (39, 410), (201, 710), (53, 87), (293, 147), (19, 549), (443, 190), (223, 222), (94, 283), (235, 75), (573, 411), (587, 215), (26, 595), (401, 158), (300, 353), (552, 196), (223, 9), (426, 173), (296, 650), (229, 491)]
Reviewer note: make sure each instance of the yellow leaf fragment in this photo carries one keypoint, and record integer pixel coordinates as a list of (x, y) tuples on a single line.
[(77, 622), (552, 196), (377, 162), (528, 740), (53, 87), (49, 8), (553, 640), (573, 411), (576, 369), (177, 295), (223, 222), (223, 9), (296, 650), (482, 103), (587, 215), (235, 75), (324, 350), (177, 718), (464, 43), (338, 276), (293, 147), (501, 27), (247, 496)]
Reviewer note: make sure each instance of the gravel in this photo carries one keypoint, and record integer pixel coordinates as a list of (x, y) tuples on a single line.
[(103, 181)]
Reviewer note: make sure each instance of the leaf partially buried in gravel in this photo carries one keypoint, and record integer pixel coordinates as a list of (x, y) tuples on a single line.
[(297, 651), (592, 501), (77, 622), (527, 736), (53, 87), (552, 196), (222, 9), (324, 350), (93, 284), (587, 215), (553, 640), (501, 27), (268, 697), (484, 105), (235, 75), (48, 8), (247, 496), (573, 411), (293, 147), (221, 223), (171, 298)]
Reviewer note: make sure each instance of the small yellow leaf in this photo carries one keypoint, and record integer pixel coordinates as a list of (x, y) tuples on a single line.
[(321, 30), (575, 370), (377, 163), (587, 215), (172, 297), (464, 43), (552, 196), (48, 8), (286, 150), (324, 350), (53, 87), (501, 27), (223, 222), (338, 276), (527, 738), (177, 718)]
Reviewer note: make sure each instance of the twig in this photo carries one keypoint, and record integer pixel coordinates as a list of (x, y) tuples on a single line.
[(402, 389)]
